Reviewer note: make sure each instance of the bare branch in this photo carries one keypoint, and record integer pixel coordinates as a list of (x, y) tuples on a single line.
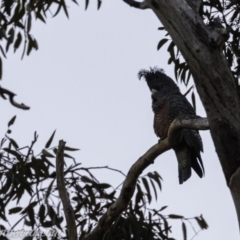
[(11, 95), (142, 163), (63, 194), (193, 122), (139, 5), (106, 167)]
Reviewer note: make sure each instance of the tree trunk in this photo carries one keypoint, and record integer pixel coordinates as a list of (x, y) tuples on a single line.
[(201, 48)]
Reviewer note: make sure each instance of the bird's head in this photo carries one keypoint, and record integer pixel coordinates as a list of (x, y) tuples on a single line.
[(156, 79)]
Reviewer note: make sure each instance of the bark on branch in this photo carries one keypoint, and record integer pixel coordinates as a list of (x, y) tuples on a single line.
[(136, 169), (63, 194)]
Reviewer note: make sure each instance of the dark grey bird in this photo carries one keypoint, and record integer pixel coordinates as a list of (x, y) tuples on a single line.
[(169, 103)]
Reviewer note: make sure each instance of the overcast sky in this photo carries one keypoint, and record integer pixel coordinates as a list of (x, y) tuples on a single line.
[(83, 82)]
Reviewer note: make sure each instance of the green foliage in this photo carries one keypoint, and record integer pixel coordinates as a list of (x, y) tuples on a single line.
[(181, 69), (17, 20), (26, 175)]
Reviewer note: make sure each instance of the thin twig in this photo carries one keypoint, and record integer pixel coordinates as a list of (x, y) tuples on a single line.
[(32, 144), (188, 219), (113, 169), (119, 185), (196, 234), (18, 222)]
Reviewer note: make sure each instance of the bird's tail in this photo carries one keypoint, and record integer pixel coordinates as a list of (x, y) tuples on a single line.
[(183, 154)]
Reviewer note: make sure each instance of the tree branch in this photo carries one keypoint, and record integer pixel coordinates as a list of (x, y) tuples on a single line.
[(192, 122), (142, 163), (63, 194), (139, 5), (11, 95)]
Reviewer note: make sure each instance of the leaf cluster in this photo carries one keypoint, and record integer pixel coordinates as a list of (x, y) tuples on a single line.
[(181, 69), (16, 20)]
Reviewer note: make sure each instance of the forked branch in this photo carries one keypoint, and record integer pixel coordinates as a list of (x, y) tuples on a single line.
[(142, 163)]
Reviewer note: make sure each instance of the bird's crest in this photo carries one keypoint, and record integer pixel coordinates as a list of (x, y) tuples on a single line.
[(157, 79), (148, 74)]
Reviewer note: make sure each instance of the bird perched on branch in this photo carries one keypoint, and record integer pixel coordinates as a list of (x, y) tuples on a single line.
[(168, 103)]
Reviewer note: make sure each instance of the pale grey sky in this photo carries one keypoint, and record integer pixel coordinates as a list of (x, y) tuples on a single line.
[(83, 82)]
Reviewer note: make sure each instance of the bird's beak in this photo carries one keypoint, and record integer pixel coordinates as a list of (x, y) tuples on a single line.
[(154, 91)]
